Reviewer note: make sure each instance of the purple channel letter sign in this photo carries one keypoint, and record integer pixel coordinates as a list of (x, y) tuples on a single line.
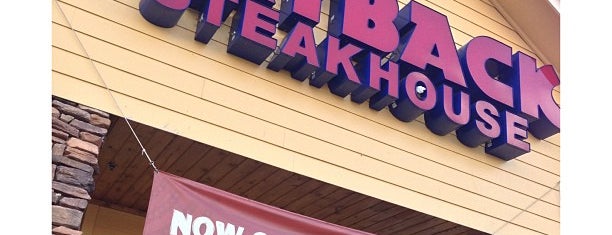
[(401, 59)]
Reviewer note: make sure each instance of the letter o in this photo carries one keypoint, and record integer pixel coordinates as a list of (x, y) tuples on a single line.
[(210, 227), (429, 100)]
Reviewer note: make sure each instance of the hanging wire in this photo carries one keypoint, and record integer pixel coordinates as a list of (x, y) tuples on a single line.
[(143, 152), (527, 208)]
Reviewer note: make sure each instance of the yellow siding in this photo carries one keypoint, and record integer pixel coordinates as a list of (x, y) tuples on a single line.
[(164, 78), (104, 221)]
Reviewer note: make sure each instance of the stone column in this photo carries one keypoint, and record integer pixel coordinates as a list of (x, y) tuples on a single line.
[(76, 136)]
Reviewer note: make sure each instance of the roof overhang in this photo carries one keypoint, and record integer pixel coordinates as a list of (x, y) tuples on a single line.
[(538, 23)]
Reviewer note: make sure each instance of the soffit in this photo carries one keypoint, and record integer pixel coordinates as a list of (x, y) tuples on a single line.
[(538, 23), (124, 183)]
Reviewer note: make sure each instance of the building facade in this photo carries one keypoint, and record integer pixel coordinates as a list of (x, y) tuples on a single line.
[(214, 117)]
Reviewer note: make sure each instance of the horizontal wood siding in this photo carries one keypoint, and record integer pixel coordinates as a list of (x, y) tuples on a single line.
[(163, 78)]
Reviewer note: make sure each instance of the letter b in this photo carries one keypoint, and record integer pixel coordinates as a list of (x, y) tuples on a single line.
[(365, 22)]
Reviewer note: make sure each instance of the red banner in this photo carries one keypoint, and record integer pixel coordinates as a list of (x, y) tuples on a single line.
[(179, 206)]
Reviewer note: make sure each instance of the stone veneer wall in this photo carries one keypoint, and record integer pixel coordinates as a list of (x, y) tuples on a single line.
[(77, 134)]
